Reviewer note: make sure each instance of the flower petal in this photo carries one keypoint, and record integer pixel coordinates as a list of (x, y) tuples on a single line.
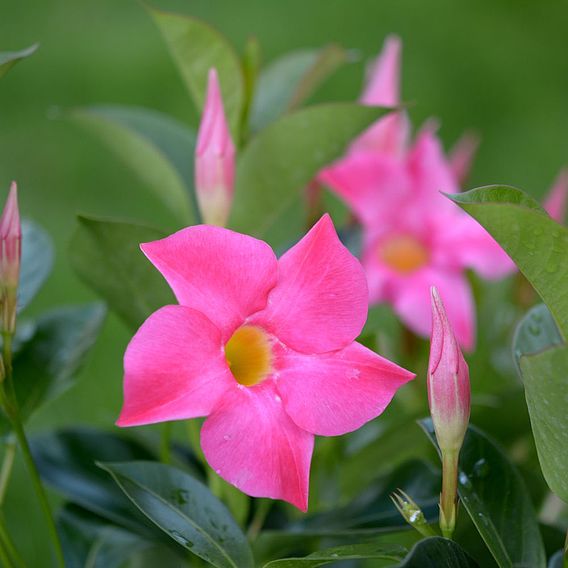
[(383, 84), (412, 303), (253, 444), (335, 393), (556, 201), (174, 368), (225, 275), (320, 301)]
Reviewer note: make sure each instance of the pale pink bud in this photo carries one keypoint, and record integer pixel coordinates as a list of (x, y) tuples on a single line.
[(214, 158), (556, 201), (11, 240), (448, 381), (462, 155)]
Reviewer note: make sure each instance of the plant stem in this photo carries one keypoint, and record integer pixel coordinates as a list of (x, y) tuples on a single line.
[(8, 546), (4, 559), (7, 465), (166, 443), (260, 515), (449, 492)]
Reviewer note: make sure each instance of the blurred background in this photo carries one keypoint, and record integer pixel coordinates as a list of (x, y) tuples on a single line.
[(499, 67)]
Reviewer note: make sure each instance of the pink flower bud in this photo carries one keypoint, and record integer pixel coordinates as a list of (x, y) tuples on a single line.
[(448, 381), (556, 201), (214, 158), (10, 253)]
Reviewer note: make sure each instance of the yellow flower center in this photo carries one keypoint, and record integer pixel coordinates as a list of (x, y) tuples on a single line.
[(249, 355), (403, 253)]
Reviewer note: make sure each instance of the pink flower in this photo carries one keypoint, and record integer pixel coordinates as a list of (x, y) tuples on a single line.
[(413, 237), (461, 156), (10, 254), (214, 158), (556, 201), (263, 347), (448, 381)]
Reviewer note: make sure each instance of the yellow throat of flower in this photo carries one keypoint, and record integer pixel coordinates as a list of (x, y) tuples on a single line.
[(403, 253), (249, 355)]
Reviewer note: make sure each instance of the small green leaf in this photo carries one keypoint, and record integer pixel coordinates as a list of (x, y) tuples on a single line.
[(185, 510), (290, 80), (47, 364), (537, 244), (106, 255), (196, 48), (278, 163), (37, 261), (494, 494), (159, 150), (365, 551), (437, 552), (536, 332), (9, 58), (545, 377)]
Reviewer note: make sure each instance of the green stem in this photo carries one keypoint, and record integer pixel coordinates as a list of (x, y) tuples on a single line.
[(7, 465), (260, 515), (8, 545), (448, 497), (166, 443), (4, 558)]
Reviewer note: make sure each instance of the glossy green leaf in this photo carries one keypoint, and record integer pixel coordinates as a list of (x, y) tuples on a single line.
[(37, 261), (158, 149), (290, 80), (196, 48), (48, 362), (438, 552), (277, 164), (537, 244), (545, 377), (9, 58), (185, 510), (376, 552), (106, 255), (536, 332), (493, 493)]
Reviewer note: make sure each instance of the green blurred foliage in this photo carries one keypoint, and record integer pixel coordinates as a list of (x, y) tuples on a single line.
[(499, 67)]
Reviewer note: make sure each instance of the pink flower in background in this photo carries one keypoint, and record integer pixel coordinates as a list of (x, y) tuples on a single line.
[(214, 158), (263, 347), (556, 201), (413, 237)]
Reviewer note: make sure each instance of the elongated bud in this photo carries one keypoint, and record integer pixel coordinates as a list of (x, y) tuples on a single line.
[(556, 201), (449, 398), (10, 254), (411, 513), (214, 158), (462, 155)]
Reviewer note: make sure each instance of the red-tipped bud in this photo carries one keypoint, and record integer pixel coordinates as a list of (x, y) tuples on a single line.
[(556, 201), (448, 381), (214, 158), (10, 254)]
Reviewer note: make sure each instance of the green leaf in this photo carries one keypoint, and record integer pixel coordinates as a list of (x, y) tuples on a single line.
[(159, 150), (196, 48), (106, 255), (48, 363), (438, 552), (536, 332), (290, 80), (184, 509), (37, 261), (9, 58), (278, 163), (493, 493), (537, 244), (545, 377), (341, 553)]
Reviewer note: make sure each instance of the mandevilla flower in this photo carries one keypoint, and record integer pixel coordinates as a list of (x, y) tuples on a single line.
[(449, 400), (214, 158), (556, 201), (10, 253), (263, 347)]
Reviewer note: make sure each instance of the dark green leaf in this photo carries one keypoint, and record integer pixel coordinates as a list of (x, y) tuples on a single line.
[(107, 257), (9, 58), (279, 162), (184, 509), (545, 377), (557, 561), (341, 553), (159, 149), (289, 80), (495, 497), (196, 48), (438, 552), (37, 260), (537, 244)]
